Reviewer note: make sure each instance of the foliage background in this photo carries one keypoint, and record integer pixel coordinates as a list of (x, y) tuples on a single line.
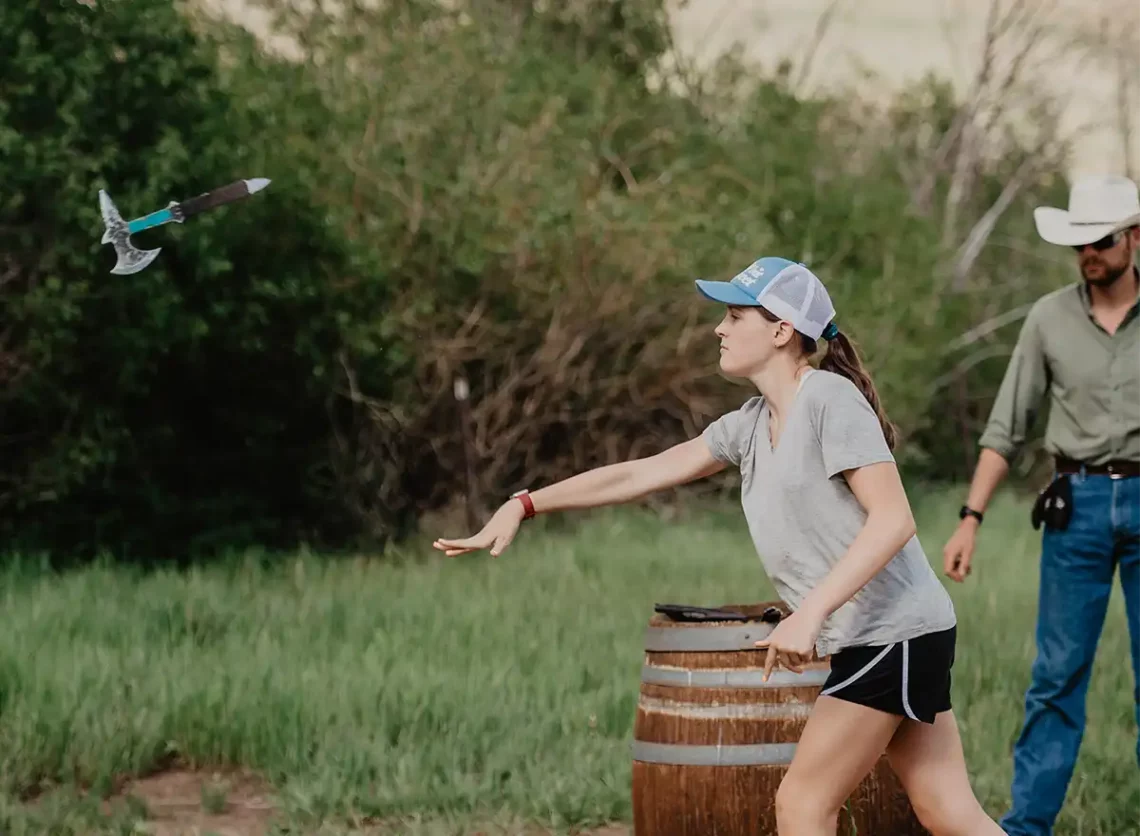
[(516, 195)]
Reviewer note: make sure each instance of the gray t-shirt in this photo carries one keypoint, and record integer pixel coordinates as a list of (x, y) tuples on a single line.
[(803, 515)]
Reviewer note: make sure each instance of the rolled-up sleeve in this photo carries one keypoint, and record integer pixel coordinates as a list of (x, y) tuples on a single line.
[(1021, 393)]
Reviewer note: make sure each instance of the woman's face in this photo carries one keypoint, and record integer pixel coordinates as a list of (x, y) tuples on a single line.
[(748, 341)]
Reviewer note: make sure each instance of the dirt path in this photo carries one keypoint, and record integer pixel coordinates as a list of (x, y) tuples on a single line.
[(182, 802)]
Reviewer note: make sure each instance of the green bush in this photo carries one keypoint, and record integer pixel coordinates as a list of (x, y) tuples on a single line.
[(185, 404)]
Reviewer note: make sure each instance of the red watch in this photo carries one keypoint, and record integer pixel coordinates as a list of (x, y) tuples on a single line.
[(523, 496)]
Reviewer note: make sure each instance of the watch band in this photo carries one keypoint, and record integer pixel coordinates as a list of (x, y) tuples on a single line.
[(967, 511), (523, 496)]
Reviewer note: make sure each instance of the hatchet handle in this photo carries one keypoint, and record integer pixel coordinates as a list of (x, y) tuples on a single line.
[(224, 194), (162, 216)]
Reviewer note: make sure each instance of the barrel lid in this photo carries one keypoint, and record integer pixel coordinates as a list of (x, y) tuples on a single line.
[(670, 631), (675, 615)]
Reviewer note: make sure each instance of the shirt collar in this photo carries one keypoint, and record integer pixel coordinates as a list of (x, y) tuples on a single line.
[(1086, 298)]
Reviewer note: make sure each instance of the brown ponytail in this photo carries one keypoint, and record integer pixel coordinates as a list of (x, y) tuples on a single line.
[(843, 359)]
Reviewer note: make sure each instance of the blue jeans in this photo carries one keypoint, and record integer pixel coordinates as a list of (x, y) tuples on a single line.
[(1077, 568)]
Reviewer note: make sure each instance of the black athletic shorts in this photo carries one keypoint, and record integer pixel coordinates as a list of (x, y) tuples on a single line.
[(910, 678)]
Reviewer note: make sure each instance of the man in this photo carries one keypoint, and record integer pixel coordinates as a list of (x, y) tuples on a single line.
[(1079, 350)]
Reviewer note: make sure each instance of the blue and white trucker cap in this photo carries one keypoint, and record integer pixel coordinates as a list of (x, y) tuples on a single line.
[(785, 288)]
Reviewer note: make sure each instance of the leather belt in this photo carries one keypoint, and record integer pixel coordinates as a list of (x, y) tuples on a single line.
[(1118, 469)]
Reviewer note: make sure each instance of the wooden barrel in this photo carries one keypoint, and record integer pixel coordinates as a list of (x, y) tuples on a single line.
[(712, 740)]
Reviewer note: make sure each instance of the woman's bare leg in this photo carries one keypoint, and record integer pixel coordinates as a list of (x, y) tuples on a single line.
[(840, 745), (931, 766)]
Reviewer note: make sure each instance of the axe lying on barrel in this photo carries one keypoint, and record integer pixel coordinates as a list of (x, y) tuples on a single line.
[(118, 231)]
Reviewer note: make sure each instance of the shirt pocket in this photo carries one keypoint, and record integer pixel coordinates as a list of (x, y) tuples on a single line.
[(1080, 377)]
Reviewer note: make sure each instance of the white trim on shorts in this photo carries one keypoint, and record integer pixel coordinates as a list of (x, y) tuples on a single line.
[(855, 676), (905, 680), (862, 671)]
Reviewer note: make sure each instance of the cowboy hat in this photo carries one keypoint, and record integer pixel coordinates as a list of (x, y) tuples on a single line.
[(1098, 206)]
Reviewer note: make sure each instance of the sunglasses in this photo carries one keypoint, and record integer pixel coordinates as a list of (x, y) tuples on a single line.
[(1105, 243)]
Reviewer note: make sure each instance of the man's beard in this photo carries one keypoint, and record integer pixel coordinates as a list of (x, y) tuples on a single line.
[(1110, 277)]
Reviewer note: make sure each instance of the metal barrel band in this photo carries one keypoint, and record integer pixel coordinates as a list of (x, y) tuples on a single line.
[(683, 640), (679, 754), (731, 678), (726, 711)]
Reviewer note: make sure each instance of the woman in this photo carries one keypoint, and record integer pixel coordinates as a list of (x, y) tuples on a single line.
[(828, 515)]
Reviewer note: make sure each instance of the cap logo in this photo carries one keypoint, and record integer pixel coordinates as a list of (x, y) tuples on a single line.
[(751, 275)]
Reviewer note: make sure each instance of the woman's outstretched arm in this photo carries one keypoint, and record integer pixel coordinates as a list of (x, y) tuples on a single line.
[(612, 484)]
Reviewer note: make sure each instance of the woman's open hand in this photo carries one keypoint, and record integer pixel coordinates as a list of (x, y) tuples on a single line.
[(496, 535)]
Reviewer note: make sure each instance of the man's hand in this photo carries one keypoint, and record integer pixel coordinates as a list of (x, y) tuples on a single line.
[(959, 551)]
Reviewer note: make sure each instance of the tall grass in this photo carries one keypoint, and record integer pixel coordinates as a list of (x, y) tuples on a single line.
[(466, 688)]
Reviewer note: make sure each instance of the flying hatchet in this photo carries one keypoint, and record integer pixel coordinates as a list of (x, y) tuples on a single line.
[(118, 231)]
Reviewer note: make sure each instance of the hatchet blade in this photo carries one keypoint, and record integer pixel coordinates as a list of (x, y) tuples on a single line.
[(117, 232)]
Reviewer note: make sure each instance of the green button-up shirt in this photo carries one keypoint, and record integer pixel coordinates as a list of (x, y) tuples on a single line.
[(1092, 379)]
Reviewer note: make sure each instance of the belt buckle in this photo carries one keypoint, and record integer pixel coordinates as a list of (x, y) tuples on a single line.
[(1113, 473)]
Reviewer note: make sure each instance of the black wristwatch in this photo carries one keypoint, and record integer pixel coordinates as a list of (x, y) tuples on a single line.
[(967, 511)]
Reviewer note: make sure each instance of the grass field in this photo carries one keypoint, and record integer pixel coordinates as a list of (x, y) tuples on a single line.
[(439, 693)]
